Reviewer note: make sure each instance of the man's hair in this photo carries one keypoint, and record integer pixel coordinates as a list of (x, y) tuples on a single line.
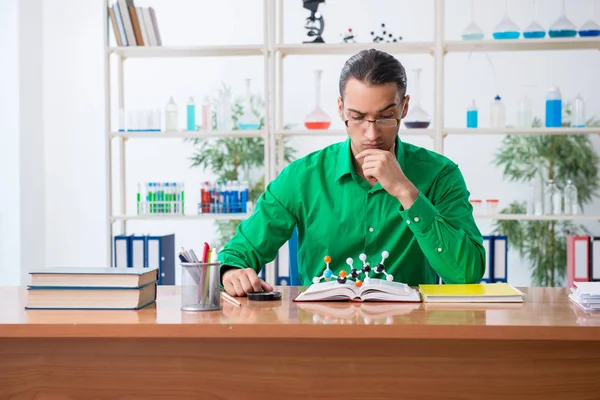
[(374, 67)]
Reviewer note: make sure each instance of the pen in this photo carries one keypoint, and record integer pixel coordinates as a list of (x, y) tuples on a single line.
[(230, 299)]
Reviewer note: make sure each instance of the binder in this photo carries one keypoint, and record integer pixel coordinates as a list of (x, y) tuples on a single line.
[(578, 259), (500, 259), (138, 253), (160, 253), (595, 262), (122, 251), (487, 275)]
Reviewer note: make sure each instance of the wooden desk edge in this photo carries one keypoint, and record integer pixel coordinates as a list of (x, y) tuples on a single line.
[(291, 331)]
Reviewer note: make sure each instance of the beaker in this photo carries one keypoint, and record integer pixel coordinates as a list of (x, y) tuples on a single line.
[(590, 28), (578, 112), (506, 28), (562, 27), (248, 121), (473, 31), (417, 117), (534, 30), (317, 118)]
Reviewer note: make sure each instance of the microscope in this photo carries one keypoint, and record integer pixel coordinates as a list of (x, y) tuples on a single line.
[(314, 23)]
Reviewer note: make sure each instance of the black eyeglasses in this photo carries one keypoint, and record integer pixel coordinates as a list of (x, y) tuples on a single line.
[(363, 123)]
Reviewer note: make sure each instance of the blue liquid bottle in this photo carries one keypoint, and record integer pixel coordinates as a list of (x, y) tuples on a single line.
[(534, 30), (506, 29), (191, 115), (472, 116), (553, 108), (563, 27)]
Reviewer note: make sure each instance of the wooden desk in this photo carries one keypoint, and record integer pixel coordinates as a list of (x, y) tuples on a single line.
[(545, 349)]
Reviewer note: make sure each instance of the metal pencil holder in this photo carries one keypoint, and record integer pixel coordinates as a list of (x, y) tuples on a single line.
[(200, 286)]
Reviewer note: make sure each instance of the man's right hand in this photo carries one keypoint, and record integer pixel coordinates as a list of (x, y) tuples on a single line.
[(239, 281)]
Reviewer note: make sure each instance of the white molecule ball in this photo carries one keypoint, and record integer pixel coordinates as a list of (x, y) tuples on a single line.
[(389, 278), (363, 257), (385, 254), (349, 261)]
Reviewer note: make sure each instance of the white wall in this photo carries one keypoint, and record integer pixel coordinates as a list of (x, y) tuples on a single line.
[(73, 99)]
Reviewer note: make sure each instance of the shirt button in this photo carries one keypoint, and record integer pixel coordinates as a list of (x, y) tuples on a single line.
[(416, 219), (439, 249), (407, 222), (371, 229)]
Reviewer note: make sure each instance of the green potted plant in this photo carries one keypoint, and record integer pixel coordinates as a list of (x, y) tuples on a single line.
[(527, 158), (233, 159)]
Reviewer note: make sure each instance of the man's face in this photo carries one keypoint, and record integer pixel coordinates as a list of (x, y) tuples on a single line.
[(364, 102)]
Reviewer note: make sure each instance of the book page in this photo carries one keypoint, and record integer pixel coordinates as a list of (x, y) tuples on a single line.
[(381, 285), (329, 291)]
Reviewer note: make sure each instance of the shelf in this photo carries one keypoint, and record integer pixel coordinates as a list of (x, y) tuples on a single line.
[(341, 132), (192, 51), (175, 217), (546, 44), (352, 48), (526, 217), (521, 131), (189, 135)]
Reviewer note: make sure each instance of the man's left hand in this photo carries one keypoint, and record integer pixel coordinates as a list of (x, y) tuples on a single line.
[(383, 167)]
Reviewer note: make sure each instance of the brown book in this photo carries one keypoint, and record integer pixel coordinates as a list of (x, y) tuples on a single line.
[(113, 20), (135, 22)]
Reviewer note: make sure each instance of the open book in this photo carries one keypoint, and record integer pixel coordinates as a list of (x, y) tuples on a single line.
[(375, 290)]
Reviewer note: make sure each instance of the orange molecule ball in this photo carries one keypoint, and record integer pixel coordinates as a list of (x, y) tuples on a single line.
[(343, 273), (327, 259), (358, 283)]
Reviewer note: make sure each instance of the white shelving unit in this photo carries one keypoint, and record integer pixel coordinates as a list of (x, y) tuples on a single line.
[(273, 50)]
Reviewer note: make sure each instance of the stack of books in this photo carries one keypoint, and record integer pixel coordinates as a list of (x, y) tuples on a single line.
[(586, 295), (84, 288)]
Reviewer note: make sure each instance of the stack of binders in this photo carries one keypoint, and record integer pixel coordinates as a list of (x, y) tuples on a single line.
[(88, 288)]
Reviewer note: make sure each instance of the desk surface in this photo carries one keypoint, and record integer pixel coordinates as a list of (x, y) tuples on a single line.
[(546, 314)]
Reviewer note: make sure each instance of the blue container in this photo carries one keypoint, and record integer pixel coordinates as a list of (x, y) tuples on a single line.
[(553, 108), (191, 115), (472, 116)]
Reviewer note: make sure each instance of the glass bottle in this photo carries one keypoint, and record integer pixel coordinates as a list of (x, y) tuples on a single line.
[(206, 115), (578, 112), (534, 30), (590, 28), (473, 31), (524, 112), (417, 117), (571, 199), (562, 27), (506, 28), (171, 116), (191, 114), (497, 113), (472, 116), (248, 121), (552, 199), (536, 204), (553, 108), (224, 114), (317, 119)]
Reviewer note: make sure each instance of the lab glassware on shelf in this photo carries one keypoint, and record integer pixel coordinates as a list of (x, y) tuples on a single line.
[(590, 28), (562, 27), (534, 30), (506, 28), (417, 117), (473, 31), (317, 118), (248, 121)]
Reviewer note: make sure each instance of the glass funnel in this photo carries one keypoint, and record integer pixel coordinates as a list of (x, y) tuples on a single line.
[(506, 28), (562, 27), (417, 117), (534, 30), (590, 28), (317, 119), (248, 121), (473, 31)]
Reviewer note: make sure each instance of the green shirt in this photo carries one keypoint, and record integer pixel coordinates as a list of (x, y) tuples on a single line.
[(339, 214)]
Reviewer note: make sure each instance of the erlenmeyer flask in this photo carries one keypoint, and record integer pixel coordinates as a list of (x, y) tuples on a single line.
[(473, 31), (417, 117), (534, 30), (317, 119), (562, 27), (248, 121), (506, 29), (590, 28)]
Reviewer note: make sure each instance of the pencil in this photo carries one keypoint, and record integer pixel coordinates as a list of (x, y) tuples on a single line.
[(230, 299)]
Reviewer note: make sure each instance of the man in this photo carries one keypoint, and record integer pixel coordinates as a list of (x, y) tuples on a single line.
[(369, 194)]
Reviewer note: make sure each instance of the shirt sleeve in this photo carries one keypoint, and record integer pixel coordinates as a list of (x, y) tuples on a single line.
[(258, 238), (446, 230)]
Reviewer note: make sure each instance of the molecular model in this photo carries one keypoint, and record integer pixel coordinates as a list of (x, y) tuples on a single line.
[(354, 273), (348, 37), (385, 36)]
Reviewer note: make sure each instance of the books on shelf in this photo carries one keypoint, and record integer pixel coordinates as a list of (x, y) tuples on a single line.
[(472, 293), (78, 288), (375, 290), (133, 26), (586, 295)]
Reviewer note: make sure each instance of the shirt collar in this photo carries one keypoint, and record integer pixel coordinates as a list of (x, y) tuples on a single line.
[(344, 159)]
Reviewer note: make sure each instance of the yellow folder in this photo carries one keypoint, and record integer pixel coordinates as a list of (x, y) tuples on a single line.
[(469, 293)]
